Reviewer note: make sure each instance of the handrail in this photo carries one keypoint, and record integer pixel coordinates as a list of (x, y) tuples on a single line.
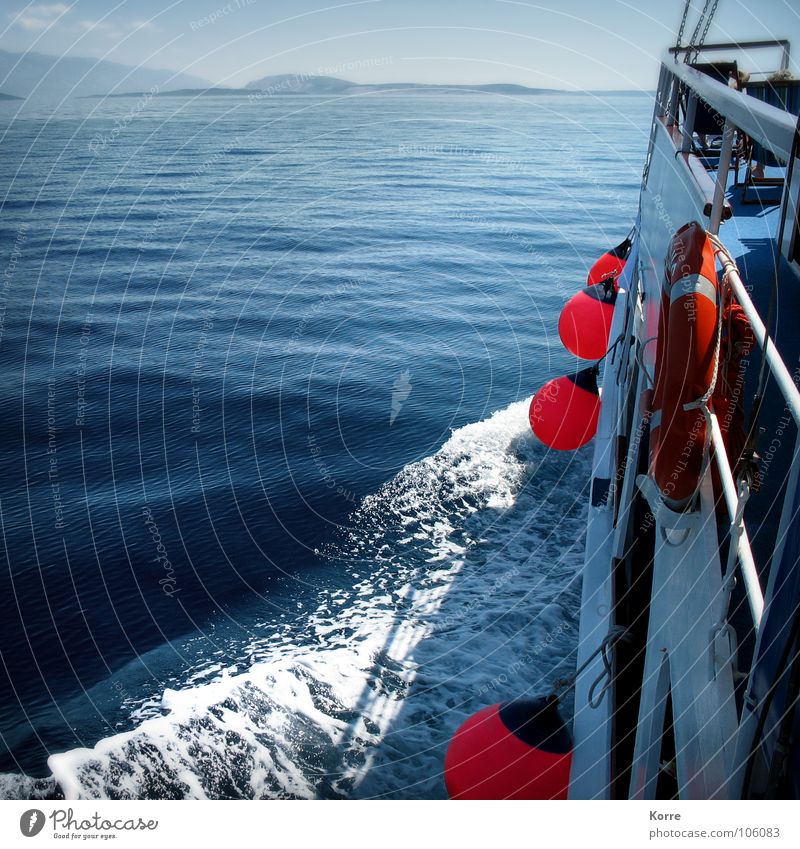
[(786, 384), (755, 595), (702, 182), (778, 368), (734, 45), (783, 43), (699, 171), (771, 127)]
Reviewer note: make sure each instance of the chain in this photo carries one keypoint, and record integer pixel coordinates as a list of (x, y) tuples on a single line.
[(682, 27), (690, 47), (700, 33), (705, 29)]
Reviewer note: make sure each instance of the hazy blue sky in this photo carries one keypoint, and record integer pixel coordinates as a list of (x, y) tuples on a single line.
[(601, 44)]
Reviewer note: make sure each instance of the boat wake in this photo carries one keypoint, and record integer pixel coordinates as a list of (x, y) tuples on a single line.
[(456, 587)]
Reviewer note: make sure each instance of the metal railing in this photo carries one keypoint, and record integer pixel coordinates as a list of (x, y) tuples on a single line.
[(775, 130), (772, 128), (788, 389), (747, 565), (767, 44)]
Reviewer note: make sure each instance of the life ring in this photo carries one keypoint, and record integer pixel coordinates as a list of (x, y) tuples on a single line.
[(686, 366), (737, 341)]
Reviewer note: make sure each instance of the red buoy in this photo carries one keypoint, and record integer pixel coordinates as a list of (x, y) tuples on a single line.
[(518, 750), (610, 263), (564, 412), (585, 322)]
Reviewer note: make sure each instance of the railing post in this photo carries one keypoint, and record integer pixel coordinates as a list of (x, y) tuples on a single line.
[(722, 177), (688, 124), (674, 102), (791, 199), (747, 566), (662, 92), (785, 57)]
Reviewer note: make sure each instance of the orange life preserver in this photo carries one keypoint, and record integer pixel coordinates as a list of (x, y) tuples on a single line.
[(686, 361), (737, 341)]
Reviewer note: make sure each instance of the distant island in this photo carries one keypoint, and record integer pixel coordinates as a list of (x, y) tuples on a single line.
[(294, 84), (38, 78)]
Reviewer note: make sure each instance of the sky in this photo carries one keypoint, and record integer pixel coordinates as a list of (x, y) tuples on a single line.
[(593, 44)]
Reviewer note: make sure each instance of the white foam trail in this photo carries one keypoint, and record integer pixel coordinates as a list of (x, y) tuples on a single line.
[(463, 598), (15, 786)]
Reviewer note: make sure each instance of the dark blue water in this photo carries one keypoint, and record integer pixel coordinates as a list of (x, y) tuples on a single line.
[(226, 323)]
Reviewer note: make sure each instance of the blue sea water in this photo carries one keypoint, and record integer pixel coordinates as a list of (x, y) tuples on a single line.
[(273, 520)]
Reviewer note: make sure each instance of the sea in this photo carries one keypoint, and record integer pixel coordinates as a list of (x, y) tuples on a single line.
[(273, 519)]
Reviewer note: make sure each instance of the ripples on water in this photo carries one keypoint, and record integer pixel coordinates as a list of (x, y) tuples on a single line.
[(262, 524)]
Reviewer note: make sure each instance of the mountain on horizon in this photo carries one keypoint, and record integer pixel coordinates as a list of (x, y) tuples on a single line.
[(40, 77), (300, 84), (313, 84)]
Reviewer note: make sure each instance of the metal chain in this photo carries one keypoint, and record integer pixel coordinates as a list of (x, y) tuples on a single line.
[(682, 27), (705, 29), (696, 33)]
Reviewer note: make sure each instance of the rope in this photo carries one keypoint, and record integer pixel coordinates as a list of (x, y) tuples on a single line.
[(746, 460), (564, 685), (639, 354), (620, 338)]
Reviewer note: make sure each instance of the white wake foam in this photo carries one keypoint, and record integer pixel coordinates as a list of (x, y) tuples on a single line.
[(457, 590)]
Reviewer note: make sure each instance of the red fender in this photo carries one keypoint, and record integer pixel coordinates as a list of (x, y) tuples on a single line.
[(564, 413), (517, 750), (584, 325), (610, 264)]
